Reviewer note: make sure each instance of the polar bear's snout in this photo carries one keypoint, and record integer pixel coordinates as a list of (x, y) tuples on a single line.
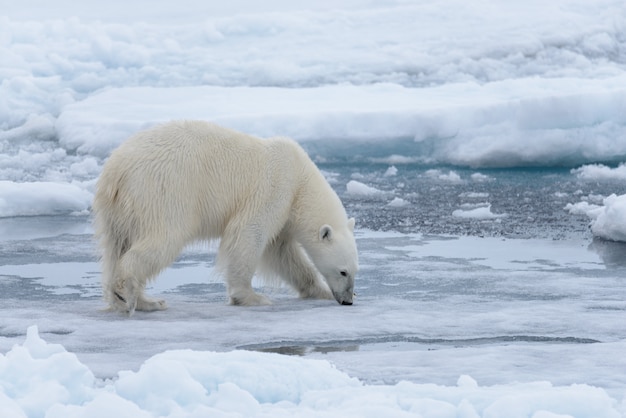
[(344, 298)]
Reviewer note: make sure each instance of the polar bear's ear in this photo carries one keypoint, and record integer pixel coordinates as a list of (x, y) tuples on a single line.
[(326, 233), (351, 223)]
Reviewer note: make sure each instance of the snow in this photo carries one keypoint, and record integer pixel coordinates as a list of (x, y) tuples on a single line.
[(412, 98), (600, 172), (611, 221), (526, 89), (40, 379), (42, 198), (398, 202), (479, 177), (451, 176), (474, 195), (607, 221), (504, 131), (584, 208), (391, 171)]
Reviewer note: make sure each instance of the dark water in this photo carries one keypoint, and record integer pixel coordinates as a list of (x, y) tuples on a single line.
[(391, 343), (533, 200)]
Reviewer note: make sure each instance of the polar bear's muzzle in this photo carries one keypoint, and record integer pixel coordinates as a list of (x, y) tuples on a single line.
[(344, 298)]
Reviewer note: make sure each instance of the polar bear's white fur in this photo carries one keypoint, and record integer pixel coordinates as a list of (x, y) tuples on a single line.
[(190, 180)]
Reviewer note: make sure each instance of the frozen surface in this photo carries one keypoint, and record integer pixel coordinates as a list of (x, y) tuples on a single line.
[(481, 147), (536, 323)]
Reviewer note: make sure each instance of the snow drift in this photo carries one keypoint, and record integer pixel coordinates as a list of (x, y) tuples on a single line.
[(38, 379)]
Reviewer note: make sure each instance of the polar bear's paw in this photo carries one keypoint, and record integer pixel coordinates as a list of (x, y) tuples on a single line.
[(316, 292), (148, 304), (248, 299)]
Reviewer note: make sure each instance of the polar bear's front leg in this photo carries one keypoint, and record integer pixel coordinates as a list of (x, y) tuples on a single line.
[(285, 258), (240, 292), (238, 258)]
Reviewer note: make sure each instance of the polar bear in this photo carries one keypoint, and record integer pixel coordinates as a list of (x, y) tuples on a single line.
[(266, 201)]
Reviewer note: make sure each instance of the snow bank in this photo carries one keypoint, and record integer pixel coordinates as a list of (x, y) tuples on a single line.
[(39, 379), (36, 375), (508, 123), (493, 84), (42, 198)]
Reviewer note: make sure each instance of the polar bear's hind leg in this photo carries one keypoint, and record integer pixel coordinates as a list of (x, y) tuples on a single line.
[(140, 263)]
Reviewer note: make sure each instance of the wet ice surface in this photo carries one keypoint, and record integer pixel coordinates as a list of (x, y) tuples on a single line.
[(525, 297)]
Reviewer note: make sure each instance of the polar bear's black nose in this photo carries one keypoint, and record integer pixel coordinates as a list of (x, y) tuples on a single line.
[(345, 302)]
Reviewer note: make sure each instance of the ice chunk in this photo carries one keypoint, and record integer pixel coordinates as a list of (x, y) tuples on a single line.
[(398, 202), (480, 213), (356, 188), (610, 222)]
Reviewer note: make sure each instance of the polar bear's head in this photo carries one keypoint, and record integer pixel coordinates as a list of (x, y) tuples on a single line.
[(336, 258)]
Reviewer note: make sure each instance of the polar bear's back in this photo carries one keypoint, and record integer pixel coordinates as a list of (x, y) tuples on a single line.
[(191, 177)]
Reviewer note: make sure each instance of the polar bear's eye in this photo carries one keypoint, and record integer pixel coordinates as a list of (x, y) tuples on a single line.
[(343, 273)]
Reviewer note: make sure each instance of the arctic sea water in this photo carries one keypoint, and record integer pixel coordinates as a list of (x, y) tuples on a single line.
[(480, 147)]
